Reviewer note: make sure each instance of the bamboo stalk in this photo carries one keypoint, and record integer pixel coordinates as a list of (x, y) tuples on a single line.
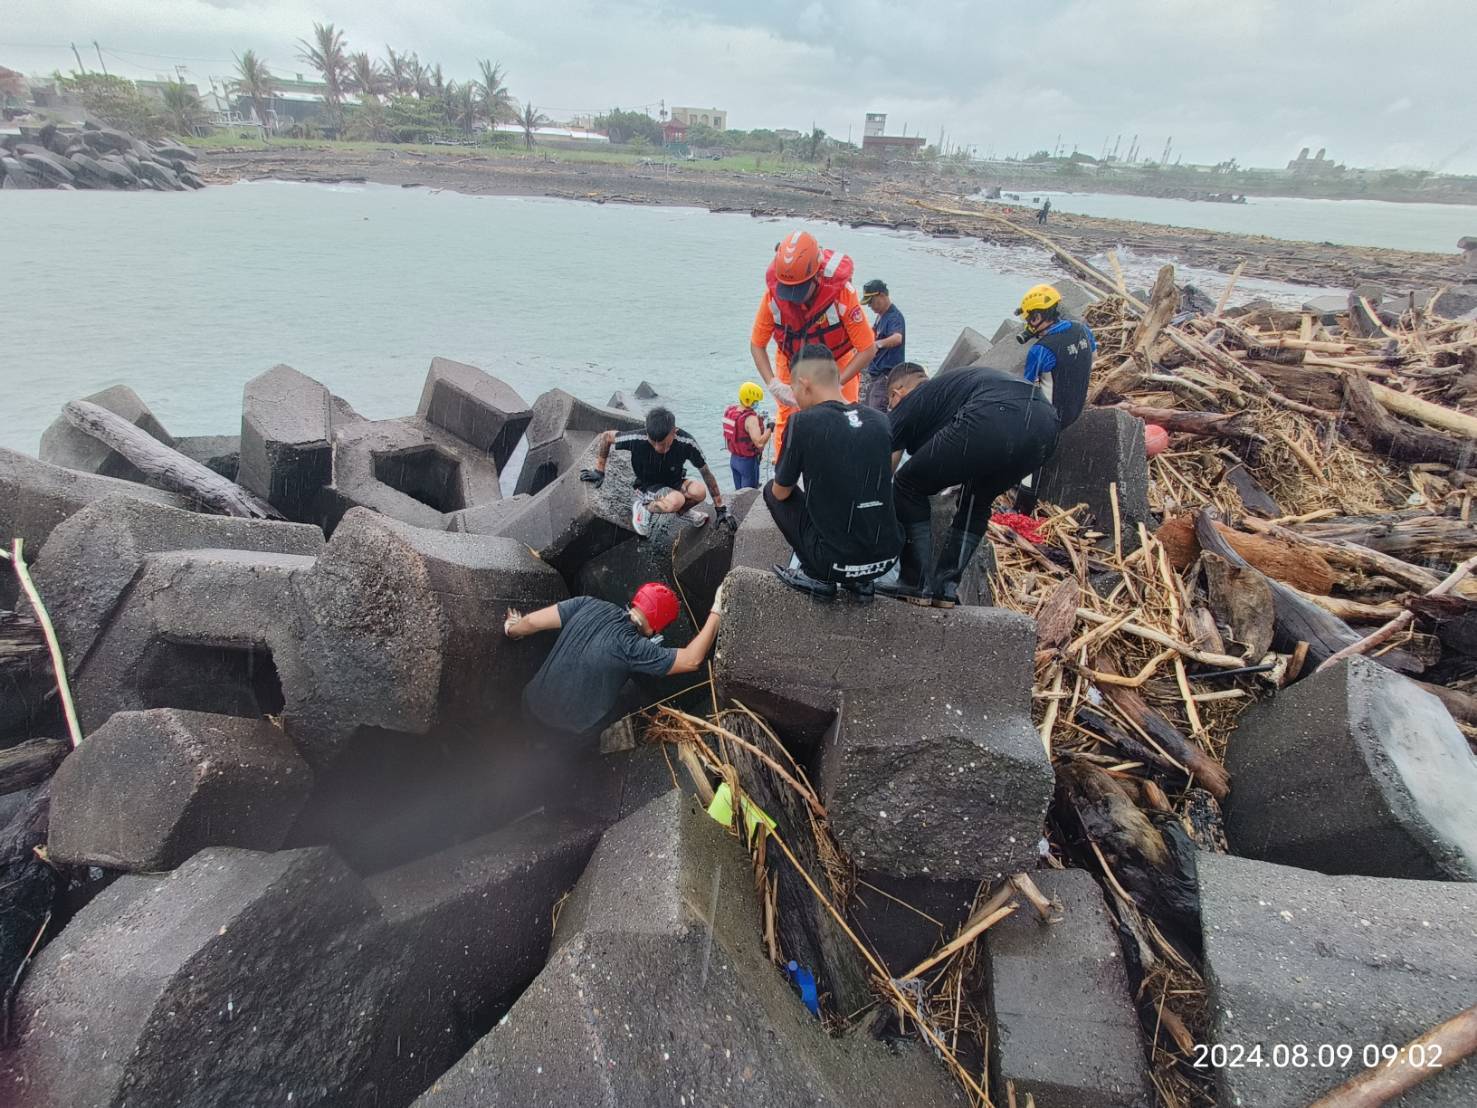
[(1452, 1042), (1400, 622), (1220, 305), (959, 943), (63, 686), (1225, 661)]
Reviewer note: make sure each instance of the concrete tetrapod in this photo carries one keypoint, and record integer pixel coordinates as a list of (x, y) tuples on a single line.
[(475, 407), (64, 445), (659, 992), (932, 768), (148, 789), (1311, 976), (1104, 447), (1062, 1022), (561, 429), (1354, 770)]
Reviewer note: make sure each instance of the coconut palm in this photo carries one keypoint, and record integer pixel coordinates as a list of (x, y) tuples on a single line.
[(255, 82), (438, 83), (182, 108), (327, 54), (366, 76), (462, 106), (397, 66), (420, 77), (530, 120), (497, 102)]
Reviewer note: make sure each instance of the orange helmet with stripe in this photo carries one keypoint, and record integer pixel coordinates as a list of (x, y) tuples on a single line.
[(797, 259)]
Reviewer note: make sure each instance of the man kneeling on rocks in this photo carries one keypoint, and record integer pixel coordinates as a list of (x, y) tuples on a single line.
[(659, 458), (841, 524), (600, 647), (980, 429)]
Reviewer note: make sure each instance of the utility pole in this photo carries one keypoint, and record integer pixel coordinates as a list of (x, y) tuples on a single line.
[(100, 61), (1167, 142), (80, 67)]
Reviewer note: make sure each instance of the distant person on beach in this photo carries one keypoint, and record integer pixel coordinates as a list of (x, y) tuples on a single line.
[(600, 647), (841, 524), (1043, 211), (659, 458), (1059, 363), (809, 299), (745, 434), (981, 429), (890, 332)]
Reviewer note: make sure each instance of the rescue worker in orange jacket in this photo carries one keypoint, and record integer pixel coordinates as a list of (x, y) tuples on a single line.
[(809, 300)]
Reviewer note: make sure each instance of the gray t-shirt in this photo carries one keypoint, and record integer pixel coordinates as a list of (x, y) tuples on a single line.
[(597, 651)]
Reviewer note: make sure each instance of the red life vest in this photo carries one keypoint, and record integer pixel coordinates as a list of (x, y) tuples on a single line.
[(820, 319), (736, 431)]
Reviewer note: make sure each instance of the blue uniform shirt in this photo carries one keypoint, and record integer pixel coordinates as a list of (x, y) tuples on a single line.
[(1041, 361), (889, 322)]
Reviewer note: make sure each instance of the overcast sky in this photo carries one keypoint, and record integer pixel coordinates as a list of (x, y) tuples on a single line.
[(1378, 82)]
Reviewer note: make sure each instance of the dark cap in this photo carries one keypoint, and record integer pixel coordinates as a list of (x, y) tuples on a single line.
[(795, 294), (873, 288)]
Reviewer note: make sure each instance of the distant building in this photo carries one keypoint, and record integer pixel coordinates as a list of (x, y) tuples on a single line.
[(715, 118), (892, 147), (1320, 166), (876, 125), (154, 90), (15, 92), (558, 134), (674, 130), (787, 134), (294, 100)]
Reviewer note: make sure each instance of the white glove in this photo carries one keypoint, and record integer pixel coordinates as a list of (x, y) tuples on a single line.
[(783, 394), (717, 608)]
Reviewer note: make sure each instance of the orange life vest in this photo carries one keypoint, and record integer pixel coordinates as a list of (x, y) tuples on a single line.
[(736, 431), (818, 320)]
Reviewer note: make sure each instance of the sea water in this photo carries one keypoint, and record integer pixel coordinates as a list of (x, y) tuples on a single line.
[(186, 296)]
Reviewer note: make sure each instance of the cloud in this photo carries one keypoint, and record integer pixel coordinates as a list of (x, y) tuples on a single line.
[(1247, 79)]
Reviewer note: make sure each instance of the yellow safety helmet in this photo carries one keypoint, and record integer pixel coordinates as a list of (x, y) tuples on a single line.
[(1038, 298), (750, 394)]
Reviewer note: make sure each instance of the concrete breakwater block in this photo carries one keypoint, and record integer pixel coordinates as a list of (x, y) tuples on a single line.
[(569, 521), (387, 626), (36, 497), (89, 560), (561, 429), (1296, 959), (478, 919), (659, 992), (1062, 1022), (918, 722), (1354, 770), (221, 453), (1104, 447), (149, 789), (475, 407), (64, 445), (702, 557), (637, 401), (287, 441), (968, 348), (238, 978)]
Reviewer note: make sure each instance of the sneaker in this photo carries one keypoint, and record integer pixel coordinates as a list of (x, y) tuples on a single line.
[(804, 582), (864, 592), (694, 517), (640, 517)]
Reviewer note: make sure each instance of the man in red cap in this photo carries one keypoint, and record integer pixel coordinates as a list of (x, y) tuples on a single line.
[(808, 298), (600, 646)]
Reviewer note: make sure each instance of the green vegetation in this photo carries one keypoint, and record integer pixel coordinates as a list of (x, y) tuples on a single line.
[(117, 102)]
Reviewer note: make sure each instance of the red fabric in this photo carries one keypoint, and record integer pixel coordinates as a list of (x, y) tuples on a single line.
[(1024, 526), (736, 431), (657, 603)]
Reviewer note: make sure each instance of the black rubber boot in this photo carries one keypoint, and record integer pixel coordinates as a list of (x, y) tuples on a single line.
[(912, 580), (864, 591), (958, 551)]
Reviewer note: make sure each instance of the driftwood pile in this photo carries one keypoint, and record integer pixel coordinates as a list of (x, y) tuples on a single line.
[(93, 157)]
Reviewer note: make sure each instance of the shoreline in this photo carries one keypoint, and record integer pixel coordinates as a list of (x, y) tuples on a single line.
[(868, 199)]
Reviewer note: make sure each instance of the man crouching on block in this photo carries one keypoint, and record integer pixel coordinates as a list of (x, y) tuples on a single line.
[(841, 524)]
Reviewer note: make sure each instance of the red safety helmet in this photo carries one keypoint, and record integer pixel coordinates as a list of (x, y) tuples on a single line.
[(657, 603), (797, 260)]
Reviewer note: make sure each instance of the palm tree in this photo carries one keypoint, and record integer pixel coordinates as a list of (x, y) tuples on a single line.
[(366, 76), (255, 82), (530, 121), (497, 102), (327, 54), (398, 68), (420, 79), (182, 107), (438, 84), (462, 107)]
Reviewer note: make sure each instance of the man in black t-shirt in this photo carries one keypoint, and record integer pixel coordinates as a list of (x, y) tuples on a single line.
[(659, 459), (842, 524), (977, 428)]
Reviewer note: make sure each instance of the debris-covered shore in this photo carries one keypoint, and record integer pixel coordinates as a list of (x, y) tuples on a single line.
[(1174, 809), (857, 197)]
